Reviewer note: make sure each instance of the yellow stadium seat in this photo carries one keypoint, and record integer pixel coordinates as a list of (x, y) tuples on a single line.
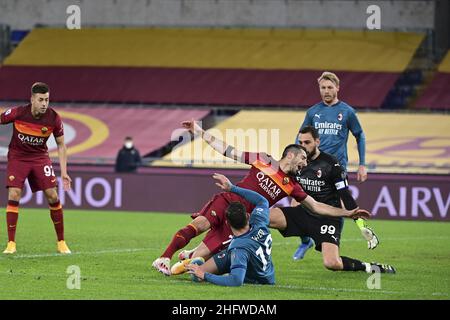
[(294, 49)]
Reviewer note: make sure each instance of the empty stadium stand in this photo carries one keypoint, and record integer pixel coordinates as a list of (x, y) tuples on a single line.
[(437, 94), (403, 89), (257, 67)]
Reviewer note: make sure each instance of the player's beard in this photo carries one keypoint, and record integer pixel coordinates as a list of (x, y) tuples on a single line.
[(312, 153), (293, 171), (329, 98)]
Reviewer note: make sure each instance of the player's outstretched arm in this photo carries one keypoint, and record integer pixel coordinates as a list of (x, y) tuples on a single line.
[(326, 210), (236, 276), (234, 279), (251, 196), (218, 145)]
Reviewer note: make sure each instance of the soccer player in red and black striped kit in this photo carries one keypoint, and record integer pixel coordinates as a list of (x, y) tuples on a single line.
[(28, 158)]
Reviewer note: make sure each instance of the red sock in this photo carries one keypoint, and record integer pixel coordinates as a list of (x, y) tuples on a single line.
[(180, 240), (12, 215), (56, 213)]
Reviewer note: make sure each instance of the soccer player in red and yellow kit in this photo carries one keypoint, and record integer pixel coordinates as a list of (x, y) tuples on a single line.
[(272, 179), (28, 158)]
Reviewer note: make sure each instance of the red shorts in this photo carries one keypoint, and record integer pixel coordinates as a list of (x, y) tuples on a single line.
[(219, 236), (40, 174)]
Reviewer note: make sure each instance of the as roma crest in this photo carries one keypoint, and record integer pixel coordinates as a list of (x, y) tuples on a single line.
[(286, 180)]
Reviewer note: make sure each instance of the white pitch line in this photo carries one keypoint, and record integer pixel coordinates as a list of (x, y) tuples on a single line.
[(293, 287), (46, 255), (127, 250)]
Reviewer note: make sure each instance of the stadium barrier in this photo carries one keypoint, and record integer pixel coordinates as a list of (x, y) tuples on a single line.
[(202, 86), (186, 190)]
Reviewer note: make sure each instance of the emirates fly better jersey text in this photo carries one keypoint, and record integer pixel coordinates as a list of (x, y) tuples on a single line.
[(321, 179)]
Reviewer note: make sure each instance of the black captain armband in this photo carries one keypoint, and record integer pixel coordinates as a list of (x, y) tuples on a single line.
[(347, 198), (228, 151)]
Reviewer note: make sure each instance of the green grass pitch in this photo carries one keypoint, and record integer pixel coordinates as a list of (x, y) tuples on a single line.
[(114, 251)]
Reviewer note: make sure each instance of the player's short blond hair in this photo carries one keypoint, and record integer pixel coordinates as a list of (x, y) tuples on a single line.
[(329, 76)]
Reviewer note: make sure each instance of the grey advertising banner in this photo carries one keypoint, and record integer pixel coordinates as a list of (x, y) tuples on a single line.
[(387, 196)]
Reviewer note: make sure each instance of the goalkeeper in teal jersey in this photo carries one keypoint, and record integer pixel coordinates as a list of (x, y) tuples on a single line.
[(248, 257), (333, 119)]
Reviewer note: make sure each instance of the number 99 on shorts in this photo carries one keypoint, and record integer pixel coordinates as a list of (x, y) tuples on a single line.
[(330, 229)]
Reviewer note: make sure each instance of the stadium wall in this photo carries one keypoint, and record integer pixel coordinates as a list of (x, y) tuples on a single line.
[(387, 196), (201, 86), (402, 15)]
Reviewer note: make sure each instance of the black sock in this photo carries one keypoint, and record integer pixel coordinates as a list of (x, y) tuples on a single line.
[(305, 240), (352, 264)]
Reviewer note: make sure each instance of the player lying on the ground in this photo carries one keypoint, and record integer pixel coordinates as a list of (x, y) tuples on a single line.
[(325, 180), (295, 221), (248, 258), (225, 184), (272, 179)]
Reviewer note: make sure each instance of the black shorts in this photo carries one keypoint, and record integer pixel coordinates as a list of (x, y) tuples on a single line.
[(300, 222)]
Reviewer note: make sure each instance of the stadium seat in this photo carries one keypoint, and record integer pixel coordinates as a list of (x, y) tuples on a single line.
[(411, 78), (238, 67), (17, 36), (437, 94)]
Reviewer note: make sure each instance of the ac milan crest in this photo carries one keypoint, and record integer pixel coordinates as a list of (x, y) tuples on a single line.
[(319, 173)]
